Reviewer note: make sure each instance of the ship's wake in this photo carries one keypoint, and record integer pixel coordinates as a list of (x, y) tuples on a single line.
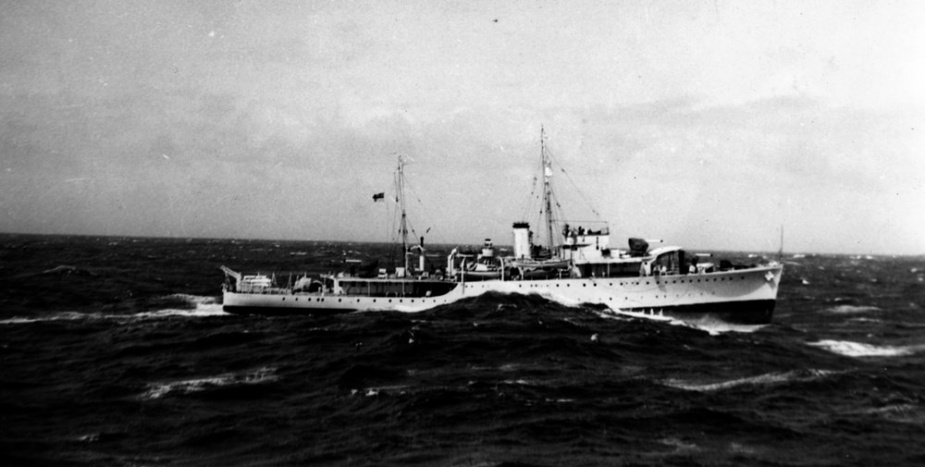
[(712, 326), (175, 305)]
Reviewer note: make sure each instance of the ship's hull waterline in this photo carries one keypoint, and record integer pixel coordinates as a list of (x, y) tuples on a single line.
[(745, 296)]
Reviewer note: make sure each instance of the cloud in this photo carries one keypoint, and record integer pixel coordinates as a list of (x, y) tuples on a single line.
[(710, 124)]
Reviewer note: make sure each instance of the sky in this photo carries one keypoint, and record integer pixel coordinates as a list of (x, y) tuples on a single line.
[(707, 124)]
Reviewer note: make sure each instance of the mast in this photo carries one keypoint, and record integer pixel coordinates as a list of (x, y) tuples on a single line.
[(403, 227), (547, 191)]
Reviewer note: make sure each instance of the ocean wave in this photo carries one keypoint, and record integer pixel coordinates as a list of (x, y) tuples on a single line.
[(519, 382), (905, 413), (892, 409), (680, 446), (865, 320), (377, 390), (858, 349), (765, 379), (848, 309), (258, 376)]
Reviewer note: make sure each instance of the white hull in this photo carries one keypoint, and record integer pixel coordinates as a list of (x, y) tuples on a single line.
[(745, 295)]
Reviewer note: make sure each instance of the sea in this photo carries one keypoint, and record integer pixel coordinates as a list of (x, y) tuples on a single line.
[(116, 351)]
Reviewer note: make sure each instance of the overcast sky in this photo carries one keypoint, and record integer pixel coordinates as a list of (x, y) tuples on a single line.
[(707, 124)]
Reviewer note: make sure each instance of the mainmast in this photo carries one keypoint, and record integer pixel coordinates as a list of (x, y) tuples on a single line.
[(547, 191)]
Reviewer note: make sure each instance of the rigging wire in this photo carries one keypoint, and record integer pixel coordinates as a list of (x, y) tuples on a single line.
[(581, 193), (531, 200), (536, 202), (412, 194)]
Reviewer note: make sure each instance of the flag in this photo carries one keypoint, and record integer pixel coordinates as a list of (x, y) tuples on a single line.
[(378, 197)]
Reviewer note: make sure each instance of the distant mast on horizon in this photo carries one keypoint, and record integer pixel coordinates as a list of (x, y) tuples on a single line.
[(780, 252)]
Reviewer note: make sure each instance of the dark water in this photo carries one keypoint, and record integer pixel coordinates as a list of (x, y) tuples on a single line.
[(115, 351)]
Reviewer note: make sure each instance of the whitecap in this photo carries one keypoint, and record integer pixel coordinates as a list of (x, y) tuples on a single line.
[(904, 413), (892, 409), (858, 349), (260, 375), (767, 378), (848, 309), (865, 320), (716, 326), (519, 382), (198, 312), (679, 445), (376, 390), (741, 449), (196, 299)]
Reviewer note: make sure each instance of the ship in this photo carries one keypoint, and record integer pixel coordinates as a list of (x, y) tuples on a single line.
[(574, 265)]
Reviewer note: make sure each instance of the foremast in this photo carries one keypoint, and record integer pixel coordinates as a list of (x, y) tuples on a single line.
[(403, 222)]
